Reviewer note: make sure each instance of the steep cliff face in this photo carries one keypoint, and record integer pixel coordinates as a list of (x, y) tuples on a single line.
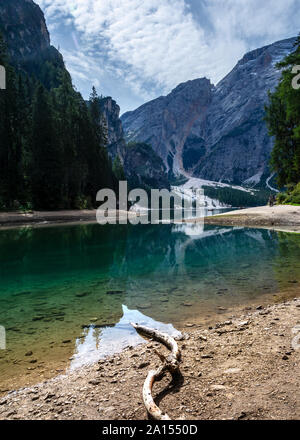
[(216, 133), (142, 166), (24, 29), (166, 122), (238, 146), (116, 142)]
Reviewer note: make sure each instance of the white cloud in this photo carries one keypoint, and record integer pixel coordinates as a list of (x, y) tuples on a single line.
[(159, 42)]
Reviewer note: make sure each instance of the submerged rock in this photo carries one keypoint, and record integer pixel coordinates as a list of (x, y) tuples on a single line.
[(81, 295), (144, 306), (115, 292)]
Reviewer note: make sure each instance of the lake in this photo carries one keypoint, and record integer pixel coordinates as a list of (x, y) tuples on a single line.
[(68, 293)]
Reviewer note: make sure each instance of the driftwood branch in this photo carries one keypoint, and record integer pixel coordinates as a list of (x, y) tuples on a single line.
[(170, 364)]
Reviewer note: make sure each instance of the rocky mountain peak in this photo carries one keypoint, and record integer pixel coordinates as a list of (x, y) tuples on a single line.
[(165, 122), (190, 86), (216, 133)]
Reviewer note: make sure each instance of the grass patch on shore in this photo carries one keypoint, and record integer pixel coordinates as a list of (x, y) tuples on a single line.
[(290, 197)]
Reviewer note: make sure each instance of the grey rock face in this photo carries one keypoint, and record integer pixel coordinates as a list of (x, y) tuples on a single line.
[(166, 122), (23, 25), (142, 166), (216, 133), (116, 142), (238, 146)]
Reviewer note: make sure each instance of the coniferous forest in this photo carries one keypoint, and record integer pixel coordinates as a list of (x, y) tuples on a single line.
[(52, 150), (283, 119)]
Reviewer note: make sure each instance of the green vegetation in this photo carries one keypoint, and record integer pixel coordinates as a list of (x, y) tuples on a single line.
[(149, 169), (146, 153), (290, 197), (237, 198), (283, 119), (118, 169), (53, 145)]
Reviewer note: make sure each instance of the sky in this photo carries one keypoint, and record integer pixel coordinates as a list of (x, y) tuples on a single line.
[(137, 50)]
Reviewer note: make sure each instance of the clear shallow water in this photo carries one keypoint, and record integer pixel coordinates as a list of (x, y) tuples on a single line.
[(61, 286), (99, 343)]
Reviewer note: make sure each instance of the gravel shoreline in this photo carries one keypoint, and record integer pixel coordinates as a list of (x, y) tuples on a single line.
[(246, 367), (282, 216)]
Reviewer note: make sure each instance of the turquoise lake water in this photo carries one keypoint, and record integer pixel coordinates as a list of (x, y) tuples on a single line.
[(62, 288)]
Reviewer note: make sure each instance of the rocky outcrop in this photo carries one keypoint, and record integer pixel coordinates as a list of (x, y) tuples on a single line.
[(216, 133), (23, 26), (142, 166), (116, 142), (166, 122)]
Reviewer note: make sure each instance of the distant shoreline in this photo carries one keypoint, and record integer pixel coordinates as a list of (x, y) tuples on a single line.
[(285, 217), (14, 219), (281, 216)]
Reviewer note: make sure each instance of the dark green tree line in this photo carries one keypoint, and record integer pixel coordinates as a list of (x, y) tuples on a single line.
[(52, 143), (283, 120)]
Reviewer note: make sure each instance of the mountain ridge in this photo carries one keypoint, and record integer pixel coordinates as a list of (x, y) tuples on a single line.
[(214, 132)]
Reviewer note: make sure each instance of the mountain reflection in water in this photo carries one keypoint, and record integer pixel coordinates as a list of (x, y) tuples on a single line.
[(98, 343)]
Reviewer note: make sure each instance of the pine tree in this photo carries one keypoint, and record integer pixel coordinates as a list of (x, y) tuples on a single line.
[(118, 169), (53, 151), (47, 168), (11, 147), (66, 114)]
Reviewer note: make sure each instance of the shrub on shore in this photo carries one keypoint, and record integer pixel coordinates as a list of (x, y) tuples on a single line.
[(290, 197)]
